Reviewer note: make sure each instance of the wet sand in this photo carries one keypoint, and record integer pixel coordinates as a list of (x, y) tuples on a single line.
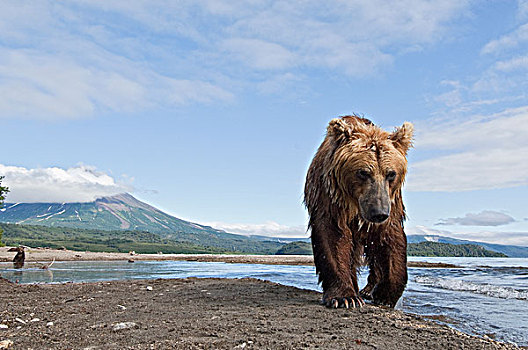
[(207, 314), (44, 256)]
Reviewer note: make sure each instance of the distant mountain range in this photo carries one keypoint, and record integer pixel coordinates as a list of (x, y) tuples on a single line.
[(102, 223), (123, 212), (119, 212)]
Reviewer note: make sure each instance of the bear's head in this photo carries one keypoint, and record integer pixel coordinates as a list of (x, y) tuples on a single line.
[(368, 166)]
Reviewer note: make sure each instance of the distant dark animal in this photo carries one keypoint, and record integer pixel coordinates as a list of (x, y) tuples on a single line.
[(354, 199), (20, 257)]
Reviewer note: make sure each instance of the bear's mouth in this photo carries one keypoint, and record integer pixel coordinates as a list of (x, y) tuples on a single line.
[(367, 225)]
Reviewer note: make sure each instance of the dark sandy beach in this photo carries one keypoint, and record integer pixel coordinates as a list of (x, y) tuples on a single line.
[(206, 314)]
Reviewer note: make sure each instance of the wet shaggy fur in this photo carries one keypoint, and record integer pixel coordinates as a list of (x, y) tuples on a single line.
[(357, 168)]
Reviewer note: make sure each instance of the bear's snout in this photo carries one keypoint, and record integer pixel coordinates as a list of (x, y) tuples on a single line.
[(377, 215), (375, 205)]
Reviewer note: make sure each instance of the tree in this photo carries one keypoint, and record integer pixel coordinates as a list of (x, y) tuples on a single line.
[(3, 192)]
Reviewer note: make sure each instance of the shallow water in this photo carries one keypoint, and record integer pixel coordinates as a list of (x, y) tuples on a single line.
[(483, 296)]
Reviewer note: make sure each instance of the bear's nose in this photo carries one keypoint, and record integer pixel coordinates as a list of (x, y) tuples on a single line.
[(378, 216)]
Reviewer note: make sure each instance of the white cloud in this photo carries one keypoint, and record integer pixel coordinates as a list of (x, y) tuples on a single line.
[(467, 171), (513, 238), (484, 218), (508, 128), (58, 62), (523, 9), (52, 87), (503, 79), (78, 184), (500, 237), (500, 79), (424, 230), (508, 41), (270, 228), (514, 64), (81, 58), (283, 84), (485, 152), (259, 54), (354, 37)]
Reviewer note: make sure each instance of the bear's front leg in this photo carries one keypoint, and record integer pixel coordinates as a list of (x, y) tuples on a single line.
[(335, 262), (389, 264)]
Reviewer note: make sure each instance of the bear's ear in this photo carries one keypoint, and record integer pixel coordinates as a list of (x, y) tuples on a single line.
[(338, 128), (402, 137)]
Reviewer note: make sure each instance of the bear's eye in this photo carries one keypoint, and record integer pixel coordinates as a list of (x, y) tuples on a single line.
[(391, 175), (363, 174)]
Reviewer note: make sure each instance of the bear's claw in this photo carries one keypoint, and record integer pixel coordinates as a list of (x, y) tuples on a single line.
[(346, 303)]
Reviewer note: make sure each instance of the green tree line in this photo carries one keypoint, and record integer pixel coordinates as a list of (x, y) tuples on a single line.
[(413, 249)]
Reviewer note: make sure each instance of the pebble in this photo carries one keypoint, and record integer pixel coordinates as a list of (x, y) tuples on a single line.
[(5, 344), (36, 319), (49, 324), (20, 320), (124, 325), (3, 326), (99, 325), (149, 288), (122, 307)]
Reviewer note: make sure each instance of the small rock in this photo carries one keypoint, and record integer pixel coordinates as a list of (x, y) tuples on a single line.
[(124, 325), (5, 344), (20, 320), (99, 325), (3, 326), (121, 307), (49, 324), (36, 319), (149, 288)]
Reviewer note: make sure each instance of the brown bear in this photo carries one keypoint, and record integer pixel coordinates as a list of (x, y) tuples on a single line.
[(20, 257), (353, 196)]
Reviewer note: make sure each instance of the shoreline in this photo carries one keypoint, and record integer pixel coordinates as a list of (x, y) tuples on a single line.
[(208, 313), (46, 256)]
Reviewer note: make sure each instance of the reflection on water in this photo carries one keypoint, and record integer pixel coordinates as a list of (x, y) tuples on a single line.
[(92, 271)]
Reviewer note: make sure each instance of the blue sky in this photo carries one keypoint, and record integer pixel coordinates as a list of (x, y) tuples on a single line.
[(212, 110)]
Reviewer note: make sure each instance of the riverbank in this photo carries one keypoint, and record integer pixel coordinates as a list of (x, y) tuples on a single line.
[(207, 314), (45, 256)]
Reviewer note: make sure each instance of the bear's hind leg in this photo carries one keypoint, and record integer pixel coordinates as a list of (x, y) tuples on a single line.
[(372, 280), (391, 264)]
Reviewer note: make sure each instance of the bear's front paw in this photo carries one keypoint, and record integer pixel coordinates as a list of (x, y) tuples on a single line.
[(338, 300), (384, 296)]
